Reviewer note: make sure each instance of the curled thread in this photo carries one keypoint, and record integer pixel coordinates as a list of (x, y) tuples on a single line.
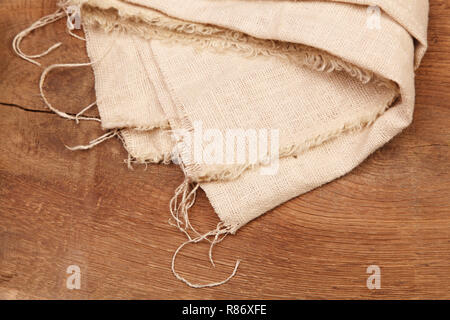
[(62, 12), (62, 114), (179, 212), (216, 233), (58, 14), (50, 106), (96, 141), (78, 115)]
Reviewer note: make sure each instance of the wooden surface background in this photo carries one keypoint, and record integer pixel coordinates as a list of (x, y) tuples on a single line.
[(61, 208)]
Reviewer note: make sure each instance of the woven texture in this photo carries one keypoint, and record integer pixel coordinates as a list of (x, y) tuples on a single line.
[(334, 89)]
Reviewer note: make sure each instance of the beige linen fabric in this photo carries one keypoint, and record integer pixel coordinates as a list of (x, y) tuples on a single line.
[(279, 20), (125, 94), (339, 113)]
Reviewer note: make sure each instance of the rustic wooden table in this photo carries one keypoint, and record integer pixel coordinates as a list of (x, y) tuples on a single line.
[(61, 208)]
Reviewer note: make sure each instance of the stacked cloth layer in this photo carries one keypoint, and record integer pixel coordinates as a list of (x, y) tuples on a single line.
[(258, 101)]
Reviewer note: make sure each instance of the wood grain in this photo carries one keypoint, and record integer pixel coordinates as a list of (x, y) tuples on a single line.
[(59, 208)]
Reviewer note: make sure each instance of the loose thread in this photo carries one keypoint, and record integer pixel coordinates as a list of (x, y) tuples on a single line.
[(49, 105), (69, 65), (215, 241), (57, 15), (179, 212), (96, 141), (42, 22), (77, 116), (75, 35), (180, 209), (177, 207), (214, 233)]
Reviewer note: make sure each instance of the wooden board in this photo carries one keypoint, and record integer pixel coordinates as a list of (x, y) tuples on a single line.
[(61, 208)]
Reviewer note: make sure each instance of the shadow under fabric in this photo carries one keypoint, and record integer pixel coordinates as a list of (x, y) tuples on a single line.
[(334, 89)]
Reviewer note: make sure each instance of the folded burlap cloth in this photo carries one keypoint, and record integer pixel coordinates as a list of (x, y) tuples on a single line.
[(309, 89)]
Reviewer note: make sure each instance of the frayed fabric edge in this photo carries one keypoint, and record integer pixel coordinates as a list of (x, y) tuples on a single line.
[(292, 150), (157, 26)]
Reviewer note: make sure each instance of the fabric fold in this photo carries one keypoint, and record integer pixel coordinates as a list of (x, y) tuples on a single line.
[(354, 81)]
